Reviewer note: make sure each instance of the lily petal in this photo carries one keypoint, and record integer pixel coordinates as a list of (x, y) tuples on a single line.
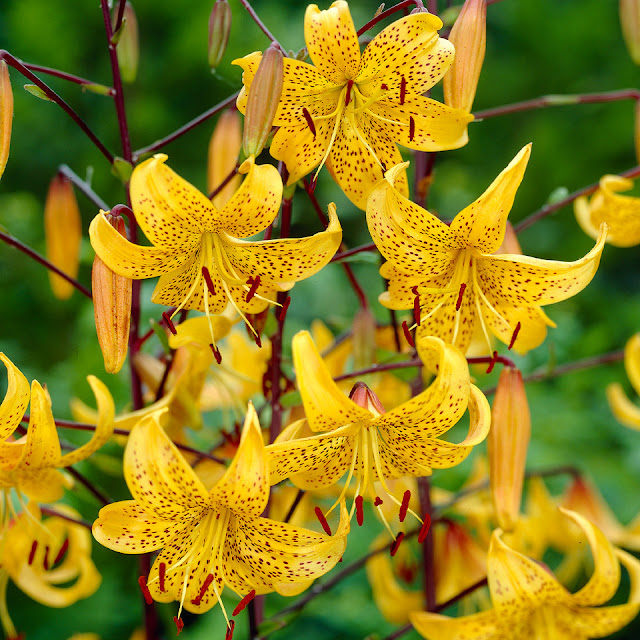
[(326, 407), (43, 485), (332, 41), (482, 224), (43, 446), (479, 626), (129, 259), (632, 361), (623, 409), (15, 400)]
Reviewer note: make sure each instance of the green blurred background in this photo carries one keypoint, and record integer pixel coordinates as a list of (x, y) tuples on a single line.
[(534, 47)]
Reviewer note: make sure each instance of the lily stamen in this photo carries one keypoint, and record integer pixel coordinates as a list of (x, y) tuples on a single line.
[(463, 286), (403, 89), (32, 553), (514, 335), (255, 283), (407, 334), (424, 530), (348, 96), (167, 318), (244, 602), (322, 520), (162, 567), (62, 552), (310, 123), (205, 585), (412, 128), (404, 506), (359, 511), (208, 281), (396, 544), (142, 582)]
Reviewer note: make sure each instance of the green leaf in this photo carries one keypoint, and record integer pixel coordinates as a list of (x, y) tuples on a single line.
[(291, 399), (36, 91), (122, 169)]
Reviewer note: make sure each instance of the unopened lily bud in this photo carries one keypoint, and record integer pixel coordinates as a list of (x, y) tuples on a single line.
[(111, 307), (262, 101), (128, 47), (508, 442), (6, 114), (469, 37), (364, 339), (630, 22), (63, 233), (219, 29), (224, 148)]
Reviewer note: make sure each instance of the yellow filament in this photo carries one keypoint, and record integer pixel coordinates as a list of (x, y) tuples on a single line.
[(194, 286), (221, 533), (415, 324), (339, 111), (352, 121), (356, 444), (460, 279), (5, 619), (477, 288)]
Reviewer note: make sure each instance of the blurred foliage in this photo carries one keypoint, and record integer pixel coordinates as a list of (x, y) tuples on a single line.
[(534, 47)]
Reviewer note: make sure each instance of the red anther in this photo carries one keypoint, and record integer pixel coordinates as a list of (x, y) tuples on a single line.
[(244, 602), (312, 183), (396, 544), (412, 128), (377, 502), (359, 511), (254, 283), (323, 521), (347, 100), (257, 340), (384, 87), (162, 570), (384, 167), (167, 318), (216, 353), (32, 553), (404, 506), (463, 286), (416, 305), (403, 89), (45, 561), (179, 624), (208, 281), (514, 335), (283, 311), (492, 364), (205, 585), (142, 581), (424, 530), (61, 553), (230, 628), (340, 560), (407, 334), (309, 119)]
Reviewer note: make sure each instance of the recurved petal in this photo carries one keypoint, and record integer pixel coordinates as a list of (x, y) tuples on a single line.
[(482, 224), (600, 622), (127, 528), (104, 426), (332, 41), (409, 48), (159, 477), (244, 488), (632, 361), (284, 261), (479, 626), (15, 400), (622, 408), (42, 449), (128, 259), (326, 407), (517, 280), (172, 213), (255, 204)]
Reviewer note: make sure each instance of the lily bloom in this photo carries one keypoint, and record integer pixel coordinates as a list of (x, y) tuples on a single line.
[(32, 464), (349, 111), (361, 441), (623, 409), (451, 276), (198, 250), (210, 538), (529, 602), (621, 213)]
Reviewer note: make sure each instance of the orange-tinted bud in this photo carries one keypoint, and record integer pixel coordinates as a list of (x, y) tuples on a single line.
[(508, 442), (219, 29), (469, 37), (364, 339), (6, 114), (63, 233), (262, 101), (630, 22), (224, 148), (128, 47), (112, 308), (367, 399)]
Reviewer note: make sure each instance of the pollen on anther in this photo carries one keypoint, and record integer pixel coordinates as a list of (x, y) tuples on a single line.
[(142, 581), (179, 624), (396, 544), (407, 334), (283, 311), (359, 511), (254, 283), (493, 361), (244, 602), (32, 553), (404, 506), (412, 128), (230, 628), (205, 585), (61, 553), (167, 318), (162, 568), (463, 286), (216, 353), (424, 530), (208, 281), (309, 119), (377, 502), (514, 335), (323, 521)]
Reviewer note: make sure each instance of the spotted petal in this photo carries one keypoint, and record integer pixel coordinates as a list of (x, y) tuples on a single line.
[(623, 409), (479, 626)]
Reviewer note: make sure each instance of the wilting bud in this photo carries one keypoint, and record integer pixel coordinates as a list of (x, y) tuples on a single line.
[(224, 148), (219, 29), (6, 114), (262, 101), (128, 47), (111, 307), (507, 442), (63, 233), (364, 339), (630, 22), (469, 37)]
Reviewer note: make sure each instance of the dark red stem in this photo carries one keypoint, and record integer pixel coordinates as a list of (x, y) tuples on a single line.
[(388, 12), (83, 187), (56, 73), (261, 24)]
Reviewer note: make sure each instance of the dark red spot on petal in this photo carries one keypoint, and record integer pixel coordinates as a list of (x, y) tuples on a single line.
[(412, 128)]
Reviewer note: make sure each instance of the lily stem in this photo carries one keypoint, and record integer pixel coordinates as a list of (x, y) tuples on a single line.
[(83, 186), (263, 28), (56, 514), (352, 252), (428, 566), (87, 484), (63, 75)]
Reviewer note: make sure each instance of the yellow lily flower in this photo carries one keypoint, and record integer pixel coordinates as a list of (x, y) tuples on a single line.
[(451, 276), (196, 251), (349, 110), (623, 409), (528, 601), (361, 440), (31, 465), (621, 213), (49, 560), (210, 538)]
